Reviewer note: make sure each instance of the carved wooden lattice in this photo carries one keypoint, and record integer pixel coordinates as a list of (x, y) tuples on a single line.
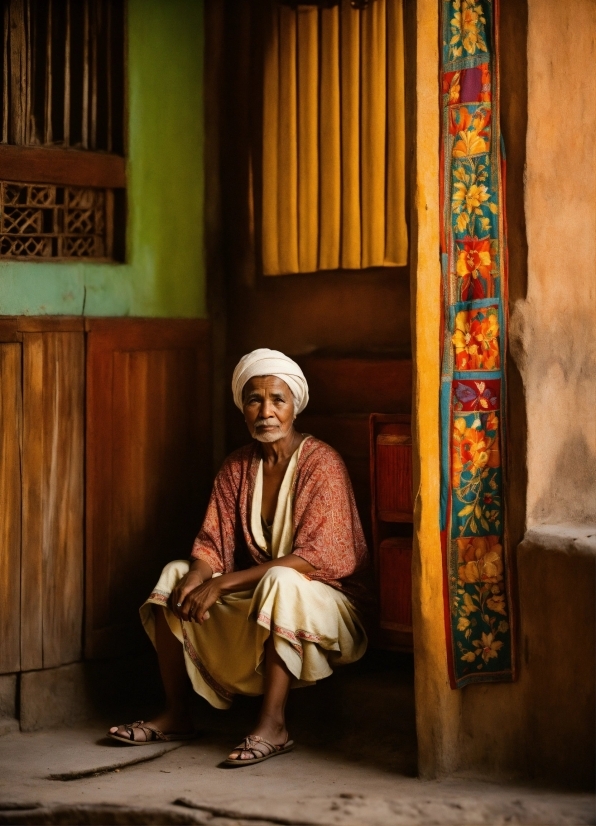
[(45, 221), (62, 168)]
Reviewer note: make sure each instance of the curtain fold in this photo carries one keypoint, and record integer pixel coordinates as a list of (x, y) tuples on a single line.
[(333, 190)]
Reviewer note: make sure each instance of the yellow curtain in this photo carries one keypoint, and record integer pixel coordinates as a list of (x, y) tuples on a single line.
[(333, 193)]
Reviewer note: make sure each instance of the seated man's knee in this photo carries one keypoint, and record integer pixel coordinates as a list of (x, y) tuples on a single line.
[(282, 577)]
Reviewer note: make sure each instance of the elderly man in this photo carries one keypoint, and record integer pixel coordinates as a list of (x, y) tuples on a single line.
[(269, 600)]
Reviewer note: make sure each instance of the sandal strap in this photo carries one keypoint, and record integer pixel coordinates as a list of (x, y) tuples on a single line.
[(252, 743), (150, 732)]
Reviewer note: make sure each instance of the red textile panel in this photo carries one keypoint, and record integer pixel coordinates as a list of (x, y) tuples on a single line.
[(394, 475), (395, 563)]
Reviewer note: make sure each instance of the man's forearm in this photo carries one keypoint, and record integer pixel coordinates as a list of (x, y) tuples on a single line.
[(202, 568), (250, 578)]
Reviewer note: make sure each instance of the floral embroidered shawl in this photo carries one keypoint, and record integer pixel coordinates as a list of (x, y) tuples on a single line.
[(327, 529)]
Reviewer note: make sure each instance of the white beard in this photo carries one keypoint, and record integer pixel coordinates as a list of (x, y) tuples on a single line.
[(272, 435)]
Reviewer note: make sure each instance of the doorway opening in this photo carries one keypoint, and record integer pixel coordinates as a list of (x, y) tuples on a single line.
[(350, 331)]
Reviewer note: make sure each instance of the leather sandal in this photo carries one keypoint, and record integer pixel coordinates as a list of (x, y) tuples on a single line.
[(151, 733), (261, 749)]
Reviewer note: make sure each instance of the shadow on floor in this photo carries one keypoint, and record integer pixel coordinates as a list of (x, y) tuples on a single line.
[(363, 712)]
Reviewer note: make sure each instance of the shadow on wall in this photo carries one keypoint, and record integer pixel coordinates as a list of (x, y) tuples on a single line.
[(560, 502), (557, 671)]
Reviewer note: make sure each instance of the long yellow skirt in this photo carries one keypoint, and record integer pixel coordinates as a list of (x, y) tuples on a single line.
[(315, 628)]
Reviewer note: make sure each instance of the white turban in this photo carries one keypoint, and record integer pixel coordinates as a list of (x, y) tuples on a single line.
[(265, 362)]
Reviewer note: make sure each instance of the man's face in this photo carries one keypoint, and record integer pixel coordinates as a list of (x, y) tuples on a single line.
[(268, 408)]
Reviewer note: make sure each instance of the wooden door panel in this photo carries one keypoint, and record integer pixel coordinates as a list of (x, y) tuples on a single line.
[(148, 466), (10, 507), (394, 474), (52, 541), (395, 563), (392, 516)]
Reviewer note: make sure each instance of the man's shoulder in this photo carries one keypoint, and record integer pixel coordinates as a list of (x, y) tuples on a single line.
[(237, 459), (316, 451)]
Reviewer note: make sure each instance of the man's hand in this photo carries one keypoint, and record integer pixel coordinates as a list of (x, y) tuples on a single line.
[(187, 584), (198, 600)]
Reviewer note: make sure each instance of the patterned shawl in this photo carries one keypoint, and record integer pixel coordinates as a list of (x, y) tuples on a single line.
[(327, 529)]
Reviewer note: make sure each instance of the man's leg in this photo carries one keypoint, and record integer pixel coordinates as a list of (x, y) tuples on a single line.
[(272, 723), (177, 686)]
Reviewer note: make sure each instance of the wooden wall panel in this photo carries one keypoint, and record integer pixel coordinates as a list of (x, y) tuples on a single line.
[(52, 541), (358, 385), (148, 465), (10, 506), (395, 585)]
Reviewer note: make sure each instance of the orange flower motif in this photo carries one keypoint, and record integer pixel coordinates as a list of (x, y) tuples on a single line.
[(474, 448), (476, 341), (457, 466), (485, 91), (492, 422), (480, 559), (475, 259), (473, 131)]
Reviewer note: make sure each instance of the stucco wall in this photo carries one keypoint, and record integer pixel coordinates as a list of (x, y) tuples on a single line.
[(554, 330), (542, 726), (164, 270)]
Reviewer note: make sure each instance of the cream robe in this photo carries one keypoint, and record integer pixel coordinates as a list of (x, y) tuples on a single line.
[(315, 626)]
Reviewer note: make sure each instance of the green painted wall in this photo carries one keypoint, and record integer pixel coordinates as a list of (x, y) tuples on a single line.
[(164, 274)]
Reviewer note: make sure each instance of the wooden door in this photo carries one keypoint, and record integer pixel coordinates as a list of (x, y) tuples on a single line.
[(41, 492), (10, 506), (52, 549), (148, 468)]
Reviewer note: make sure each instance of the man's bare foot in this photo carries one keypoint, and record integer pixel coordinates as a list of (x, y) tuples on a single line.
[(277, 735)]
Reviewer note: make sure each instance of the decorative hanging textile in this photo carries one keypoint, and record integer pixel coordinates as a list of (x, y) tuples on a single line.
[(473, 399), (333, 161)]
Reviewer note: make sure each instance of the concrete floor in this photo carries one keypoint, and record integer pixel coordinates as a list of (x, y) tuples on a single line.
[(354, 764)]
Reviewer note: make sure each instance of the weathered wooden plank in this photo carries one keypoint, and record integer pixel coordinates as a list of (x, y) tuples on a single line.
[(53, 498), (10, 507), (61, 166), (18, 72), (32, 542), (148, 468)]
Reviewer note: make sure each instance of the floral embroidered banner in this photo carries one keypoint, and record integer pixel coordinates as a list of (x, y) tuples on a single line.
[(474, 287)]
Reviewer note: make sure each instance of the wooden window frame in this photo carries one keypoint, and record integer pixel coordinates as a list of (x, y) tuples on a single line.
[(72, 167)]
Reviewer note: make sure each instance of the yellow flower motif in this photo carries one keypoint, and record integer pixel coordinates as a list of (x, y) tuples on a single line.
[(462, 623), (472, 36), (488, 647), (467, 200), (468, 607), (469, 656), (480, 559), (454, 88), (466, 27), (497, 603), (469, 143)]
